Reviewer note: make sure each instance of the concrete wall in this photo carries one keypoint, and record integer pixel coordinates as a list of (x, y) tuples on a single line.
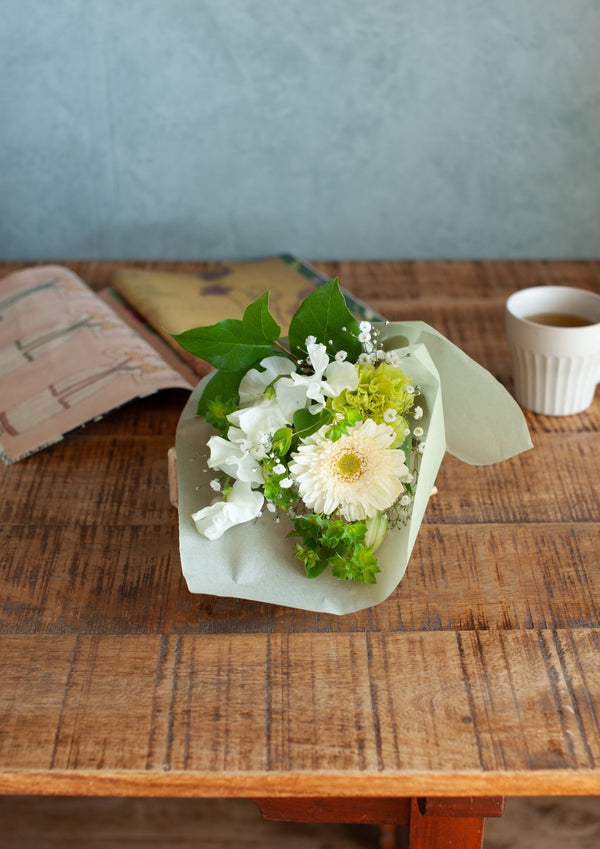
[(190, 129)]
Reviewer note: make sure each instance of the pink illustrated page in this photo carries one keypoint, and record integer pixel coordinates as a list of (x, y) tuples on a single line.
[(66, 358)]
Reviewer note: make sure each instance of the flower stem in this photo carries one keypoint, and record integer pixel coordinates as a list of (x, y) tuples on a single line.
[(278, 344), (301, 366)]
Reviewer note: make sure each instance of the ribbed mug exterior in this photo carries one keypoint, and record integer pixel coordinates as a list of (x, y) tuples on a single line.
[(556, 368), (552, 385)]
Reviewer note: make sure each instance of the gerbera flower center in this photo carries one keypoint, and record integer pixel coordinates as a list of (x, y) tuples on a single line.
[(350, 465)]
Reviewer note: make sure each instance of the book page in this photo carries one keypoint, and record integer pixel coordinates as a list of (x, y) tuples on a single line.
[(66, 358)]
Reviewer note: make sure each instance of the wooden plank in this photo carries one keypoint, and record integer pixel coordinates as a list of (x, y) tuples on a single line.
[(419, 280), (461, 806), (102, 534), (349, 810), (96, 478), (444, 832), (501, 576), (459, 578), (217, 713), (92, 583), (34, 684), (553, 482)]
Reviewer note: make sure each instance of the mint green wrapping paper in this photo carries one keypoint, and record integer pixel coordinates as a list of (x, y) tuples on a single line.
[(474, 417), (484, 424)]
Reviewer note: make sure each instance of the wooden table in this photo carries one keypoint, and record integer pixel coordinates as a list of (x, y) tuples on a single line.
[(478, 678)]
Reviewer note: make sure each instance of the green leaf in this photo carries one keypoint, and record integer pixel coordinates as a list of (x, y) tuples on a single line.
[(358, 565), (234, 344), (306, 423), (313, 570), (258, 318), (224, 385), (217, 413), (340, 428), (407, 448), (323, 314), (282, 439)]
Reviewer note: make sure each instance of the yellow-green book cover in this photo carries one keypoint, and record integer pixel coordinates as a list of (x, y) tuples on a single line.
[(174, 301)]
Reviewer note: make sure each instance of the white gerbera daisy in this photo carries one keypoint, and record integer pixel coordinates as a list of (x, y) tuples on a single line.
[(359, 474)]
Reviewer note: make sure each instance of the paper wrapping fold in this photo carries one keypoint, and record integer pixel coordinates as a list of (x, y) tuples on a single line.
[(256, 561), (484, 424)]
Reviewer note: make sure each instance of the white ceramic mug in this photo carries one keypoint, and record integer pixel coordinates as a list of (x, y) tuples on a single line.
[(556, 367)]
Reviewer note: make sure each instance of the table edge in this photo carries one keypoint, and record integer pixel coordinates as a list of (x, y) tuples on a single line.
[(325, 784)]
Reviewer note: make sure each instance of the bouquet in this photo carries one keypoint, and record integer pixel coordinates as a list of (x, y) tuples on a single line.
[(304, 455)]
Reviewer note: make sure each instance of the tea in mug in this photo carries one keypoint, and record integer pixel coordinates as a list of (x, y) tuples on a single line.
[(559, 319)]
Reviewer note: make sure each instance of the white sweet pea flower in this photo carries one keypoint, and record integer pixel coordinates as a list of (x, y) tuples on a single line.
[(241, 504), (328, 380), (317, 357), (231, 457), (254, 382), (291, 395), (340, 376), (257, 424)]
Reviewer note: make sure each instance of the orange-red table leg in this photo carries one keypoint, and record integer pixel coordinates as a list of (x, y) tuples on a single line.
[(450, 823), (430, 823)]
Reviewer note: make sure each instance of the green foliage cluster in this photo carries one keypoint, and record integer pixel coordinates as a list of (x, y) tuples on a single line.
[(274, 492), (330, 541), (217, 411)]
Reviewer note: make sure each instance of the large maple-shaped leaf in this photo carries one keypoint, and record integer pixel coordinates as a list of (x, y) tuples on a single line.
[(324, 315), (234, 344)]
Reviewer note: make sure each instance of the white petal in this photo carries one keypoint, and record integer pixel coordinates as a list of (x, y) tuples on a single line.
[(230, 458), (340, 376), (255, 382), (220, 450), (317, 356), (315, 390), (242, 505), (265, 416), (291, 395)]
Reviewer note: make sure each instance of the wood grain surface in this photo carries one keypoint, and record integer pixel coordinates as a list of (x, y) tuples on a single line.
[(480, 675)]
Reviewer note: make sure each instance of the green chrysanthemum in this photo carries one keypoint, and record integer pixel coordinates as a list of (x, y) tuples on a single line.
[(381, 395)]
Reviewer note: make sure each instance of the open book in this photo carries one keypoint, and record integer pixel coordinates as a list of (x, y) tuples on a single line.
[(69, 355)]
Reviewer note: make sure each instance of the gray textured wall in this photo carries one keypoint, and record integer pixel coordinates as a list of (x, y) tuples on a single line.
[(334, 129)]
